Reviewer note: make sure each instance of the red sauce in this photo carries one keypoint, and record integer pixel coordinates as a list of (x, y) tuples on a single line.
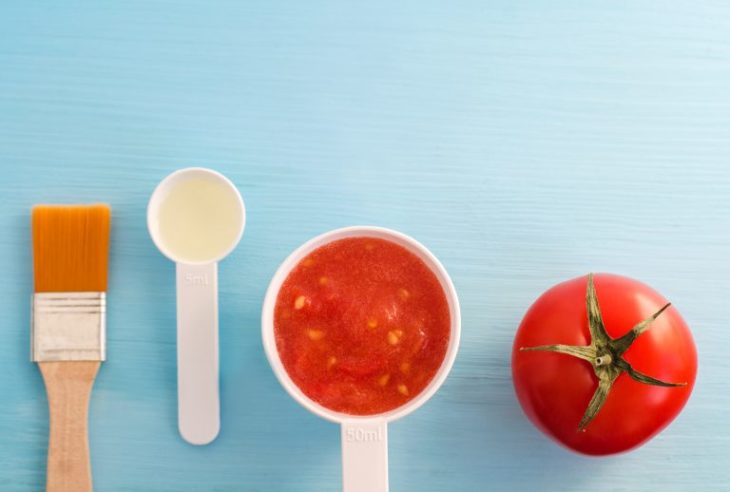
[(362, 325)]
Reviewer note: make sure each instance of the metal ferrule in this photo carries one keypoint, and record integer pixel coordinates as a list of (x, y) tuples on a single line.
[(68, 326)]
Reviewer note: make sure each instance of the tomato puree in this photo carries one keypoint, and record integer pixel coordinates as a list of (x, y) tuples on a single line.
[(362, 325)]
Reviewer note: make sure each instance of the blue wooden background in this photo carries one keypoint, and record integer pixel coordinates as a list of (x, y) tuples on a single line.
[(524, 142)]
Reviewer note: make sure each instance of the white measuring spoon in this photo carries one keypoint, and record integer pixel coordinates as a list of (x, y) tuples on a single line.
[(364, 439), (196, 217)]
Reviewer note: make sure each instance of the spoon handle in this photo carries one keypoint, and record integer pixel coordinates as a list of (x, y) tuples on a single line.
[(197, 352), (365, 456)]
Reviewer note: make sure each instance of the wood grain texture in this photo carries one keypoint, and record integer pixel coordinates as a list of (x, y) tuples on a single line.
[(523, 142), (68, 387)]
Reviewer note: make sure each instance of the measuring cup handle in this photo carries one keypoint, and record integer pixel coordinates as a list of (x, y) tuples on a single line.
[(197, 352), (365, 456)]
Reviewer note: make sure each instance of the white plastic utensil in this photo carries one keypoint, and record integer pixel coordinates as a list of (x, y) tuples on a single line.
[(364, 438), (196, 217)]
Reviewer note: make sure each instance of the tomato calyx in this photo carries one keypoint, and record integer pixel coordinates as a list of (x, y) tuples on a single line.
[(605, 354)]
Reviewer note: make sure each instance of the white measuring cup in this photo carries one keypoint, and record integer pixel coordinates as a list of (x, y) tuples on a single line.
[(364, 438), (180, 231)]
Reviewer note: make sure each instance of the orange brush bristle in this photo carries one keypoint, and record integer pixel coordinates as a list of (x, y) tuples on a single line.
[(71, 247)]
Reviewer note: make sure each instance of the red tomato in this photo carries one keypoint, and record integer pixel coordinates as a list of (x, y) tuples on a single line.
[(555, 389)]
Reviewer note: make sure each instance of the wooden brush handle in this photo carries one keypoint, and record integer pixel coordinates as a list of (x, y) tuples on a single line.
[(68, 385)]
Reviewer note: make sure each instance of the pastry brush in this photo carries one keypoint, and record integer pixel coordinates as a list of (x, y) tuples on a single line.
[(70, 258)]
